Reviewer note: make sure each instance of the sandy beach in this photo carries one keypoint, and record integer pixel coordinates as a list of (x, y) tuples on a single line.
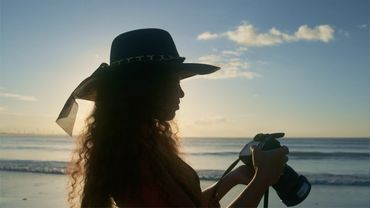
[(320, 196), (32, 170), (34, 190)]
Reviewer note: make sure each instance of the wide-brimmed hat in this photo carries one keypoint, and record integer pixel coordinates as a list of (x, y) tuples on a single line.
[(138, 47)]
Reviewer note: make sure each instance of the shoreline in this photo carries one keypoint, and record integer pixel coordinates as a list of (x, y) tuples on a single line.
[(21, 189), (190, 137)]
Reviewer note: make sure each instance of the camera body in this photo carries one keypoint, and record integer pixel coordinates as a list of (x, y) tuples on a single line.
[(291, 187)]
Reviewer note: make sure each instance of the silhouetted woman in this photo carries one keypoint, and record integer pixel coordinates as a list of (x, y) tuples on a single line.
[(128, 154)]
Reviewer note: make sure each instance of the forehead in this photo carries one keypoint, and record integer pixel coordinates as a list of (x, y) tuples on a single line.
[(165, 74), (148, 74)]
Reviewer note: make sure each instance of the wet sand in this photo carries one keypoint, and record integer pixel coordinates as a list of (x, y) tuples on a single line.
[(34, 190)]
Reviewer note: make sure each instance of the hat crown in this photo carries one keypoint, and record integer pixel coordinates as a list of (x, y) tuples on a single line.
[(142, 42)]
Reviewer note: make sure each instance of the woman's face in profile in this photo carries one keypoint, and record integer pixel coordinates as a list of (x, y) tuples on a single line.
[(168, 97)]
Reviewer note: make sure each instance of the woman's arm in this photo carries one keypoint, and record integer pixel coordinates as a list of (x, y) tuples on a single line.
[(268, 166), (266, 171), (209, 199), (252, 194), (241, 175)]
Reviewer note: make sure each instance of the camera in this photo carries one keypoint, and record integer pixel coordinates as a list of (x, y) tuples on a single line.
[(291, 187)]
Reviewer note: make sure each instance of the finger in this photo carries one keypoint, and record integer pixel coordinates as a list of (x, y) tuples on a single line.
[(282, 172), (286, 159), (280, 151), (281, 169), (284, 150)]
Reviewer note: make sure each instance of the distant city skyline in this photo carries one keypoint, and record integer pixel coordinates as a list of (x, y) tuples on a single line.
[(299, 67)]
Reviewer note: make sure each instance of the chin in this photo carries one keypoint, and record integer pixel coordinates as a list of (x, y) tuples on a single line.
[(168, 116)]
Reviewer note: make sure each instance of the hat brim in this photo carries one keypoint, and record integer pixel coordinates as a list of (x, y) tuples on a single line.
[(185, 69), (192, 69)]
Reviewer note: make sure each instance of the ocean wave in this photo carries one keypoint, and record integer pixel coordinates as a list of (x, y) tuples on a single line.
[(325, 155), (34, 147), (34, 166), (231, 153), (59, 167), (298, 155), (313, 178)]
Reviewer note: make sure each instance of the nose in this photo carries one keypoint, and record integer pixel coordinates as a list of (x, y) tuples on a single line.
[(181, 92)]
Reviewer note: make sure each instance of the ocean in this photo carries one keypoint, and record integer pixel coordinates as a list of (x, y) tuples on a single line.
[(329, 162)]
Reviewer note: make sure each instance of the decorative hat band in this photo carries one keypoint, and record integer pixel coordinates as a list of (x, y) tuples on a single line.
[(149, 58)]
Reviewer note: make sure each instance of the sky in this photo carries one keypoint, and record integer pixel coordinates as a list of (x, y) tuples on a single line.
[(294, 66)]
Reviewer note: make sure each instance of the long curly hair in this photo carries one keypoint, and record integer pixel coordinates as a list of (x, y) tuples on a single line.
[(120, 132)]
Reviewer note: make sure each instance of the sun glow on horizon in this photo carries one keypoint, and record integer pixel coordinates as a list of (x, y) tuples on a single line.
[(306, 75)]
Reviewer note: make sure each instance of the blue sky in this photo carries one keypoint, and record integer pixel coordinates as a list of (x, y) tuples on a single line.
[(301, 67)]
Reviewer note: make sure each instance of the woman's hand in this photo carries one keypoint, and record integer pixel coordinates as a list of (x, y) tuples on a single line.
[(242, 174), (208, 200), (269, 165)]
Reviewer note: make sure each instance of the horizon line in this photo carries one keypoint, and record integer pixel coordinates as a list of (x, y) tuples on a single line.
[(200, 137)]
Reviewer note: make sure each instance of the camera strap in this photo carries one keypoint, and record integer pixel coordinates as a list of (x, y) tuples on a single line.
[(215, 195), (230, 168)]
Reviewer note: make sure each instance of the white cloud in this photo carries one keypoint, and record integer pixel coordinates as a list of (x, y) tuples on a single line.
[(344, 33), (322, 33), (247, 35), (2, 108), (241, 49), (210, 121), (207, 36), (231, 53), (362, 26), (18, 97), (211, 59), (231, 67), (261, 62)]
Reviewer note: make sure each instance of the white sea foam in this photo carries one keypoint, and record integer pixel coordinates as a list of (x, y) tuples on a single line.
[(316, 179), (57, 167), (298, 155)]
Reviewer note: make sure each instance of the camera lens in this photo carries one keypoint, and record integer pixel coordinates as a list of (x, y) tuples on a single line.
[(291, 187)]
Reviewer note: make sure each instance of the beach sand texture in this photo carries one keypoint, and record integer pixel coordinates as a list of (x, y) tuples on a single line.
[(32, 169), (35, 190)]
